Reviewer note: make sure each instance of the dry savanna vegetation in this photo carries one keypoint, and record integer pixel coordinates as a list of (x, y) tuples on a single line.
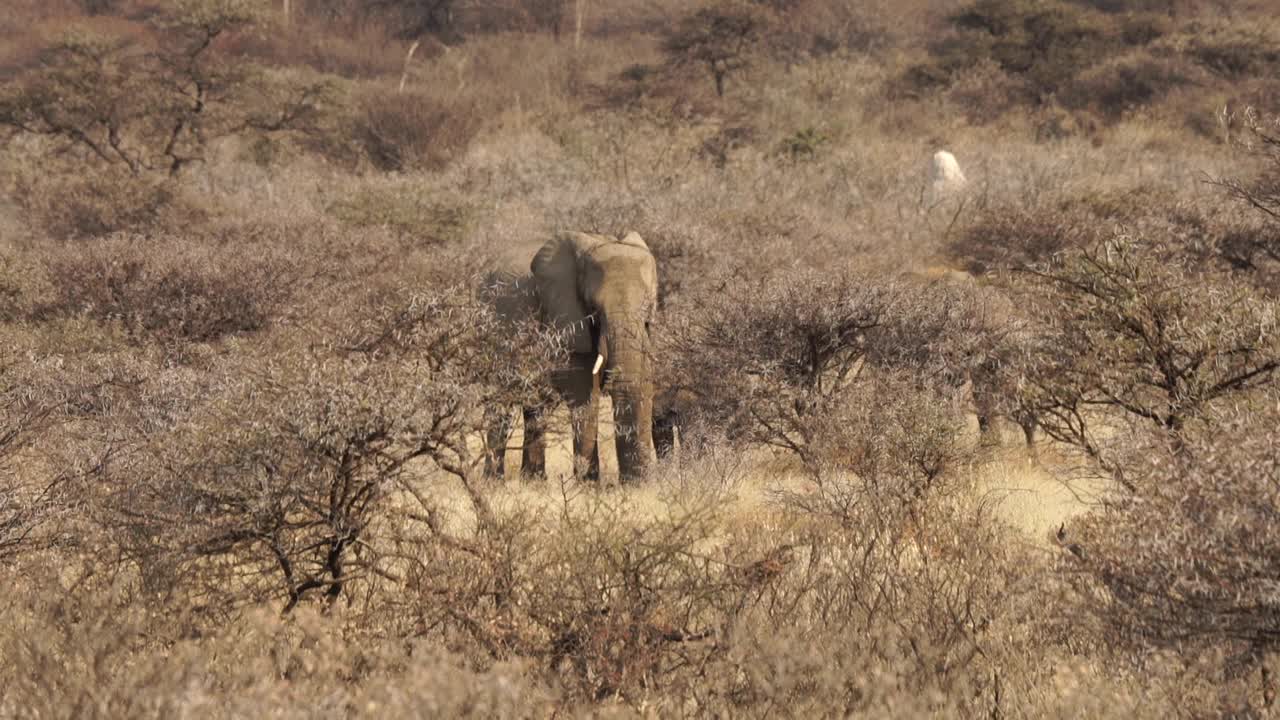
[(999, 447)]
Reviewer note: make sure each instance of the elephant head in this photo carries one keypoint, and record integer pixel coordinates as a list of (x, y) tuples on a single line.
[(602, 293)]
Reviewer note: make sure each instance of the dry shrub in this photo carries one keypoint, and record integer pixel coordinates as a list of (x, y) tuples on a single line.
[(1015, 237), (325, 253), (416, 129), (71, 204), (30, 12), (108, 119), (985, 92), (1217, 114), (1181, 565), (1010, 236), (56, 385), (163, 290), (1234, 51), (282, 507), (668, 608), (904, 598), (805, 29), (345, 48), (32, 497), (607, 601), (656, 612), (1045, 48), (1261, 193), (1046, 43), (654, 89), (91, 649), (1051, 123), (800, 343), (896, 594), (675, 607), (1247, 248), (1115, 87), (1131, 334), (448, 98), (25, 286), (407, 212), (150, 101), (724, 142), (721, 38)]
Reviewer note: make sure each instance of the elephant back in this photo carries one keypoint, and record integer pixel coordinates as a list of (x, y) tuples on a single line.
[(633, 239)]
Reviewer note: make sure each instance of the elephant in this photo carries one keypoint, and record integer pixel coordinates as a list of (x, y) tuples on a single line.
[(600, 292), (987, 384), (993, 398), (673, 406)]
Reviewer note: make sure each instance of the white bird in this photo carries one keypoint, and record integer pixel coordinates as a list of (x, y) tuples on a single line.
[(945, 176)]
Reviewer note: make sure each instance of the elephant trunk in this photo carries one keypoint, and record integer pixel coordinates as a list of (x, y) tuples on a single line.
[(633, 425), (632, 389)]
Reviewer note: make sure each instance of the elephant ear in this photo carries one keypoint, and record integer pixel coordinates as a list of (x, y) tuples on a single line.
[(556, 275)]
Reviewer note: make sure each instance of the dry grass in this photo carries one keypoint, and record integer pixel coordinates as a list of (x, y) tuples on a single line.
[(257, 385)]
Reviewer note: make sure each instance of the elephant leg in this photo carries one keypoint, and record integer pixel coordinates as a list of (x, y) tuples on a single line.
[(581, 390), (1029, 424), (633, 430), (1029, 430), (497, 424), (664, 434), (533, 453), (988, 433)]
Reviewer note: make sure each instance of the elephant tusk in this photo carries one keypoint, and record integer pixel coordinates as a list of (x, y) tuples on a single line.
[(599, 362)]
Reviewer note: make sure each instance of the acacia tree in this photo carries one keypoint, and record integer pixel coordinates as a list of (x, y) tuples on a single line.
[(26, 502), (1128, 333), (153, 105), (823, 366), (721, 38), (275, 483), (1257, 251), (1264, 141), (41, 461)]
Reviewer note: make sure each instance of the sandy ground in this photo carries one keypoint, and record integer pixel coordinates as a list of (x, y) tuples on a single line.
[(1033, 491), (1027, 490), (1030, 495)]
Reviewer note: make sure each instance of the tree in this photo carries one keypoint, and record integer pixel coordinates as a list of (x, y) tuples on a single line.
[(825, 365), (40, 463), (27, 499), (1257, 252), (1264, 141), (1129, 332), (721, 37), (153, 106), (275, 483)]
